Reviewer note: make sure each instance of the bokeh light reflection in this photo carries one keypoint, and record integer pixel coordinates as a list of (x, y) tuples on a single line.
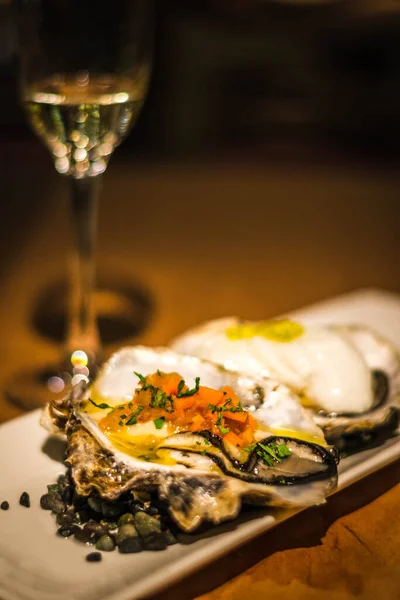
[(55, 384), (78, 378), (62, 165), (79, 358)]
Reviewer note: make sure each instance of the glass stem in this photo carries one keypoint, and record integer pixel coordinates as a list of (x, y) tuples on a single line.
[(82, 331)]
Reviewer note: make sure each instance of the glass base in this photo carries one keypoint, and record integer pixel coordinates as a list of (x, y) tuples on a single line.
[(123, 311), (34, 388)]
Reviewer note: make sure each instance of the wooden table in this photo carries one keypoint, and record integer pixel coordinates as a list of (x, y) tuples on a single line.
[(214, 239)]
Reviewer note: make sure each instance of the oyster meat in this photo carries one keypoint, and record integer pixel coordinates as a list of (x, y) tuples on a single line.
[(348, 376), (203, 438)]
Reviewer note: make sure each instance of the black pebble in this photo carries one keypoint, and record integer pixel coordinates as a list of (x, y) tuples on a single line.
[(46, 501), (64, 519), (65, 531), (94, 557), (25, 500), (67, 495), (83, 536), (81, 516), (52, 502), (62, 482), (112, 510), (4, 505), (155, 541), (130, 545), (136, 507), (151, 510)]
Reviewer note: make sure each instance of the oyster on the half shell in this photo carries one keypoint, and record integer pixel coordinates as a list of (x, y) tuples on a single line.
[(199, 474), (347, 375)]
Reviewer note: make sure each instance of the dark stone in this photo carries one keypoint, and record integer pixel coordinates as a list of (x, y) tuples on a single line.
[(111, 509), (64, 519), (94, 557), (156, 540), (25, 500), (146, 524), (130, 545), (125, 519), (95, 504), (105, 543), (66, 530), (62, 481), (171, 539), (67, 495), (125, 531), (151, 510), (95, 529), (81, 516), (52, 502), (85, 537)]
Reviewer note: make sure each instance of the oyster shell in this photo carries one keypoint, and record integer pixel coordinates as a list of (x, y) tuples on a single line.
[(199, 475), (348, 376)]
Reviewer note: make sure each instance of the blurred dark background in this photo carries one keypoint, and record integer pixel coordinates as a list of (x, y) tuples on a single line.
[(262, 174), (258, 76)]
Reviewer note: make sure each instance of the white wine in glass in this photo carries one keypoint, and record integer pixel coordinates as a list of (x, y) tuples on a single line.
[(83, 77), (82, 119)]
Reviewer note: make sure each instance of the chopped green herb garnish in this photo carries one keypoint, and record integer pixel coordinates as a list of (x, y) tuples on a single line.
[(267, 454), (102, 405), (169, 405), (282, 451), (181, 393), (223, 430), (143, 379), (159, 373), (120, 423), (271, 452), (250, 448), (159, 399), (226, 407), (204, 452), (133, 416), (123, 416), (238, 408), (198, 443), (159, 422)]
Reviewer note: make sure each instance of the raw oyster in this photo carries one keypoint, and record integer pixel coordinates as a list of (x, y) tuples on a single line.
[(347, 375), (201, 476)]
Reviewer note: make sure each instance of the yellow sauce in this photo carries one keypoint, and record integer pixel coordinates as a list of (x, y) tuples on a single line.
[(143, 447), (299, 435), (282, 331)]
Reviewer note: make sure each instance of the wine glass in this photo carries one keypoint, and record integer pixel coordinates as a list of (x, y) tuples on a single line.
[(83, 76)]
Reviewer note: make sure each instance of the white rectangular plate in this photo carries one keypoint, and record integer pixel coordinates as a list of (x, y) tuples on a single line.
[(35, 564)]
